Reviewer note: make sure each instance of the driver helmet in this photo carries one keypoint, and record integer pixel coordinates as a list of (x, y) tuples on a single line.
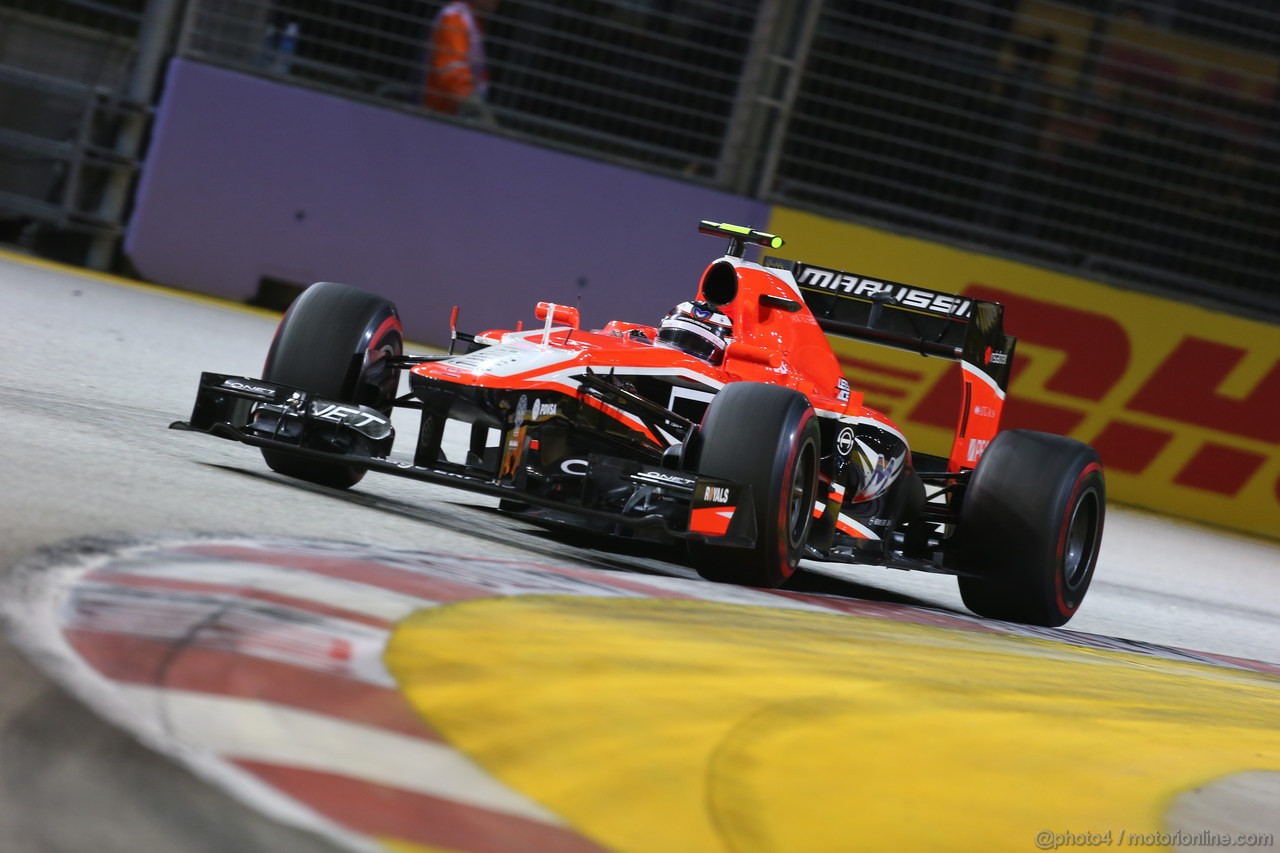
[(697, 328)]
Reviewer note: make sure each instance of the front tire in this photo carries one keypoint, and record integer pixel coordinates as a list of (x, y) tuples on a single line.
[(1031, 528), (335, 341), (767, 437)]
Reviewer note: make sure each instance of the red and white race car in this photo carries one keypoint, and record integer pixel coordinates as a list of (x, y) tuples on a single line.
[(728, 425)]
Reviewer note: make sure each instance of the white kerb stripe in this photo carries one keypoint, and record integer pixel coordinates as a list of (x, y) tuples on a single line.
[(340, 593), (257, 731)]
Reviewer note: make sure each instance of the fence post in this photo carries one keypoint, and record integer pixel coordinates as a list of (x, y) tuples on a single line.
[(153, 41), (768, 85), (790, 68), (742, 134)]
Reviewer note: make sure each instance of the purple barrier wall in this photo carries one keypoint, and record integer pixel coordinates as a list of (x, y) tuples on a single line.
[(247, 178)]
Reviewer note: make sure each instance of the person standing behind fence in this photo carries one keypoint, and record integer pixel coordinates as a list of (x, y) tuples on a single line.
[(457, 78)]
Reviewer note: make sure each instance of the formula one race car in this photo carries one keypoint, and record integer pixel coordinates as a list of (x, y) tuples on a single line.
[(728, 426)]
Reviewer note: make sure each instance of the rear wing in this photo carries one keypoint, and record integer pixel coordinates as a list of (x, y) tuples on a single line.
[(930, 322)]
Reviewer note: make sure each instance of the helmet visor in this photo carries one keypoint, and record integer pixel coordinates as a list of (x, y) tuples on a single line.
[(704, 346)]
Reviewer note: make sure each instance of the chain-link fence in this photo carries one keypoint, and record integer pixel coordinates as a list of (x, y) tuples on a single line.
[(612, 78), (1135, 141)]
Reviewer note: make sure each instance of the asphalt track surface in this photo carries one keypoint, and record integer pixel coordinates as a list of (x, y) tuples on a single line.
[(91, 373)]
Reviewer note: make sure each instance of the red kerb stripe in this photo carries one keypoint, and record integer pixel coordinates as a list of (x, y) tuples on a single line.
[(217, 672), (379, 811)]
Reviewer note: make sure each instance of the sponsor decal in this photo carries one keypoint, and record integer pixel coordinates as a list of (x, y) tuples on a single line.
[(515, 441), (715, 494), (990, 356), (946, 304), (844, 441), (245, 386), (345, 414), (842, 390), (663, 478), (575, 467), (976, 448), (543, 410), (984, 411), (522, 409), (880, 471)]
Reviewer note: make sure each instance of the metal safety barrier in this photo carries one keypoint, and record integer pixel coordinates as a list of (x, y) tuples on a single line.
[(64, 105)]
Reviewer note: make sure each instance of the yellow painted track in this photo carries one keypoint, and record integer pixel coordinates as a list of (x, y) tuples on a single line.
[(661, 725)]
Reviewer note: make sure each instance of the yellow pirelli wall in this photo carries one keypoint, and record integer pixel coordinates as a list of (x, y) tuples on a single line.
[(1182, 403)]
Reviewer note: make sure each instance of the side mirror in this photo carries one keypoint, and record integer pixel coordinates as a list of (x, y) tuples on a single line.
[(768, 300), (561, 315)]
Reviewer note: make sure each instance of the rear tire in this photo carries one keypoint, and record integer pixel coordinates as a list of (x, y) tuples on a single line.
[(767, 437), (1031, 528), (335, 341)]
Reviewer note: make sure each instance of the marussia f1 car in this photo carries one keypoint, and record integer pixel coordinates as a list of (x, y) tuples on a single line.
[(730, 426)]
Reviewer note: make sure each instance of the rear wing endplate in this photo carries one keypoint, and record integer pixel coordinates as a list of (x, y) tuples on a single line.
[(929, 322)]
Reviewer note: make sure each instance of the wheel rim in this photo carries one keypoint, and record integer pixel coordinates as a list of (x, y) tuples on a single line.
[(800, 497), (1078, 555), (376, 384)]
